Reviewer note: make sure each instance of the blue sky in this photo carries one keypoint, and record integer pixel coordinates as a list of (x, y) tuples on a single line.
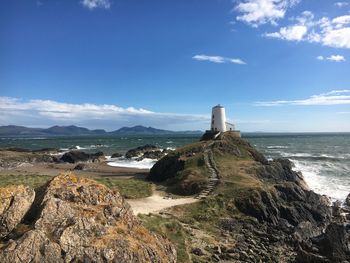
[(276, 65)]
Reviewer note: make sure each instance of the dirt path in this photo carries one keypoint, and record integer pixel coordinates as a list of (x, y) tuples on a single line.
[(156, 203), (214, 172)]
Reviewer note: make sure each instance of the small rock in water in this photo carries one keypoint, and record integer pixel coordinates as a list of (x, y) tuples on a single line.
[(116, 155), (347, 201)]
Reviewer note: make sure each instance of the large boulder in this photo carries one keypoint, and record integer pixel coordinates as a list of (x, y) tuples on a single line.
[(75, 219), (15, 202), (79, 156), (166, 168)]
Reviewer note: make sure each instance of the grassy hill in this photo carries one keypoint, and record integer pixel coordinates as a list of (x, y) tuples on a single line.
[(259, 210)]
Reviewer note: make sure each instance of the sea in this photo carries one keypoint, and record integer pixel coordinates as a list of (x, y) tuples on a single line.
[(323, 158)]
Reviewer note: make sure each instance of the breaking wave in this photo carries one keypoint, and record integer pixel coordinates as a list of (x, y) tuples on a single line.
[(319, 179), (132, 163)]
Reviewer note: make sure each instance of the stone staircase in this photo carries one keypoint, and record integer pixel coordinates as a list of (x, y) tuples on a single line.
[(214, 172)]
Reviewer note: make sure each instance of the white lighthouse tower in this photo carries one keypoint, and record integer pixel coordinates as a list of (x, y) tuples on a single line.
[(218, 119)]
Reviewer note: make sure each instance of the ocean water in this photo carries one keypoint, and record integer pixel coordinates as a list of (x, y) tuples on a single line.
[(324, 159)]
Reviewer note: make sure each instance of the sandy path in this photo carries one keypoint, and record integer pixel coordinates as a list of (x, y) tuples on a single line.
[(156, 202)]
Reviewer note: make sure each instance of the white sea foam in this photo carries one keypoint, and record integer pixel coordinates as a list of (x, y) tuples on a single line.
[(311, 156), (335, 187), (132, 163), (85, 147), (291, 155), (276, 147), (169, 142)]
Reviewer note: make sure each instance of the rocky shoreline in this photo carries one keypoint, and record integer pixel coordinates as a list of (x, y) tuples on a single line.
[(257, 210), (14, 157), (261, 211)]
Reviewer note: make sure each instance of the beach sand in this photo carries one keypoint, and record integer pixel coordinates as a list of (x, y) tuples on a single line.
[(152, 204), (90, 169)]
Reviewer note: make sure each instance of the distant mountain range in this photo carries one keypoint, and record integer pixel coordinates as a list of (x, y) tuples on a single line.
[(13, 130)]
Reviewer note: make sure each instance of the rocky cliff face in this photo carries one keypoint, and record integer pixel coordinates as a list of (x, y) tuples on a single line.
[(74, 219), (260, 210)]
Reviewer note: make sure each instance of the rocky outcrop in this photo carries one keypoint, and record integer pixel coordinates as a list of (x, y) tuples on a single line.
[(14, 157), (260, 210), (167, 168), (347, 201), (15, 202), (156, 155), (75, 219), (79, 156), (290, 203), (137, 152)]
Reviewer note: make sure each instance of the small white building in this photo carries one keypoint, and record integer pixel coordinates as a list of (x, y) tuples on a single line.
[(218, 121)]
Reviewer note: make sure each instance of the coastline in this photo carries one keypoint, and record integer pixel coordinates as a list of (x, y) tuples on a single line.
[(123, 168)]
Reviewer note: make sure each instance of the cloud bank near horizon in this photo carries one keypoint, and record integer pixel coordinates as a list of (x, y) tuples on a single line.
[(334, 97), (43, 113)]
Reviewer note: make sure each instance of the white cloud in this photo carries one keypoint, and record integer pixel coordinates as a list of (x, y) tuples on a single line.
[(295, 33), (340, 21), (339, 38), (334, 97), (341, 4), (215, 59), (49, 112), (335, 58), (92, 4), (329, 32), (218, 59), (257, 12)]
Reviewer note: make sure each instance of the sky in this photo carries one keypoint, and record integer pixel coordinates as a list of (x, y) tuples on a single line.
[(276, 65)]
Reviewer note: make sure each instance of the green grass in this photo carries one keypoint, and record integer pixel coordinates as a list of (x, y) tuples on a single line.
[(31, 180), (129, 188), (171, 229)]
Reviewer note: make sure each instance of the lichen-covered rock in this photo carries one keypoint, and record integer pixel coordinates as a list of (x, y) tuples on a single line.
[(15, 201), (33, 246), (78, 220)]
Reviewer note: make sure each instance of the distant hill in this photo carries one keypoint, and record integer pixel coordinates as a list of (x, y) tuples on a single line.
[(139, 129), (13, 130), (142, 130)]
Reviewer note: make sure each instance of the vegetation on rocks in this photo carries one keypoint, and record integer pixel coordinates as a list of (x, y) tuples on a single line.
[(75, 219), (129, 188), (260, 211)]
